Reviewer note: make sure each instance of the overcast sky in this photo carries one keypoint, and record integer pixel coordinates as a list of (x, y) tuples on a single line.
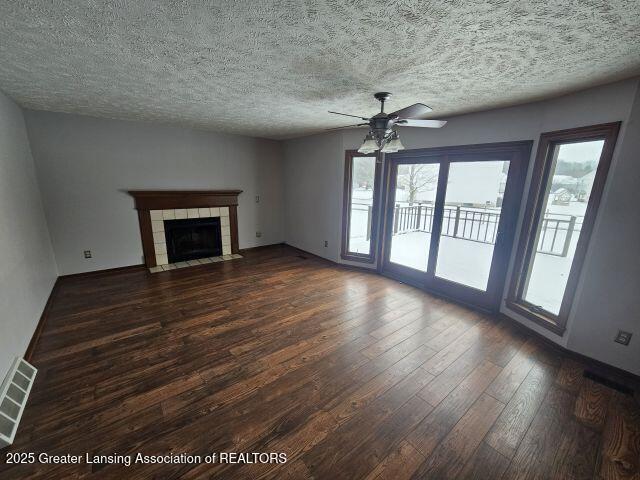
[(581, 152)]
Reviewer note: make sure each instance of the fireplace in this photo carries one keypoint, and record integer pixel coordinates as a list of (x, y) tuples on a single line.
[(192, 238), (206, 227)]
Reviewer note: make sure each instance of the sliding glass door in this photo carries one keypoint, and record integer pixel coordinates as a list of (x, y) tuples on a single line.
[(450, 218)]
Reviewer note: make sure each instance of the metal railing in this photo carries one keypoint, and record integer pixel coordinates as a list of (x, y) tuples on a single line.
[(556, 234), (478, 225)]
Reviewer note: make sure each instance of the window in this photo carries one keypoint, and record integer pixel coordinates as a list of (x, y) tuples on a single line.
[(361, 186), (568, 179)]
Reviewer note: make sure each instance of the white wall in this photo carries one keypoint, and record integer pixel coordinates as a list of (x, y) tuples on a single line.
[(27, 267), (313, 193), (86, 164), (316, 164)]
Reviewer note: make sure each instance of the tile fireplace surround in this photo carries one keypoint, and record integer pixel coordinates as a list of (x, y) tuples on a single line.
[(160, 243), (156, 206)]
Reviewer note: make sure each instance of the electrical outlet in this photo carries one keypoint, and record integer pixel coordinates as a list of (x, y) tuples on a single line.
[(623, 337), (87, 254), (257, 198), (258, 234), (326, 243)]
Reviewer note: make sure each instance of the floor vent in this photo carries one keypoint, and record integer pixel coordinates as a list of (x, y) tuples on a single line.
[(302, 257), (608, 383), (13, 398)]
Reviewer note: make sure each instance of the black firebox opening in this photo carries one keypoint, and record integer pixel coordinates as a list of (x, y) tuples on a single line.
[(192, 238)]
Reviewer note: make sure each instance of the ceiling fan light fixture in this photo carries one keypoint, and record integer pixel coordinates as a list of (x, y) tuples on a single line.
[(394, 144), (382, 134), (388, 149), (369, 145)]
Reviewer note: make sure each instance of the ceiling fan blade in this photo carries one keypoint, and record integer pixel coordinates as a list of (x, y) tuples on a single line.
[(422, 123), (347, 115), (347, 126), (413, 111)]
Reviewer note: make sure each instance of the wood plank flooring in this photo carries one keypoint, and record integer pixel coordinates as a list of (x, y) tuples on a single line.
[(352, 375)]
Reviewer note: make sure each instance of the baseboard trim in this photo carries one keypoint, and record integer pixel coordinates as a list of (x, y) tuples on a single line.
[(43, 319), (260, 247), (106, 271), (346, 266)]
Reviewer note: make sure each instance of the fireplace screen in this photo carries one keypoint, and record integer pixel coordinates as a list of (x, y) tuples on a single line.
[(192, 238)]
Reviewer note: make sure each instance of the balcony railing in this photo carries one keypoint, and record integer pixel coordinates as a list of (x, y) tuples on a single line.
[(479, 225)]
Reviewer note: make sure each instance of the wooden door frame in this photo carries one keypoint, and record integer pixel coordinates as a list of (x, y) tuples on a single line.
[(405, 274), (518, 153), (345, 253)]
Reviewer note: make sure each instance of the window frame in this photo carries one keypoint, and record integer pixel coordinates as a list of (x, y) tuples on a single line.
[(547, 148), (346, 210)]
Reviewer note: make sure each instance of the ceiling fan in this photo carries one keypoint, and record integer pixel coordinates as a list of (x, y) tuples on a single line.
[(382, 133)]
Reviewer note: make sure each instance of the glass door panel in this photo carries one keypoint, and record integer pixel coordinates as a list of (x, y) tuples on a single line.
[(471, 215), (413, 214), (360, 208)]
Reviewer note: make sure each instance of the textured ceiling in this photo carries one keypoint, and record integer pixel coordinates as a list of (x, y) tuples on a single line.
[(274, 68)]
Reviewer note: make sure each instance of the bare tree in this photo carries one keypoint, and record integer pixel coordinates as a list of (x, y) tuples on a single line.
[(416, 178)]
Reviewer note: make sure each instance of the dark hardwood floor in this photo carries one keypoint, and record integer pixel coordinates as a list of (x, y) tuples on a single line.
[(350, 374)]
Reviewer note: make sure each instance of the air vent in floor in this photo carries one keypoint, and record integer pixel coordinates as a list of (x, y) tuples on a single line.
[(13, 398)]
